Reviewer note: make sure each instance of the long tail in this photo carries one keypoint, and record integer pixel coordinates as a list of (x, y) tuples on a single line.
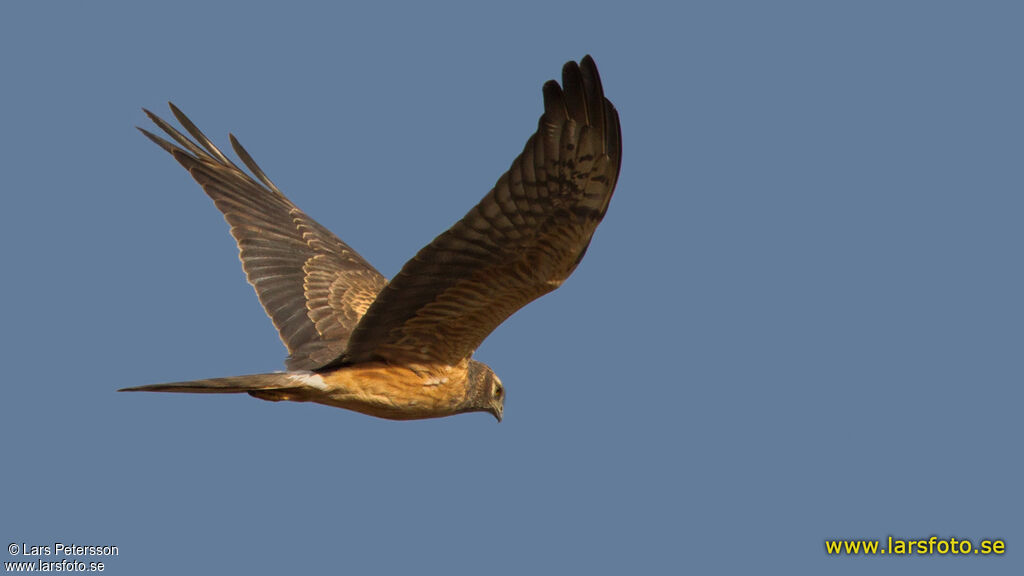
[(272, 386)]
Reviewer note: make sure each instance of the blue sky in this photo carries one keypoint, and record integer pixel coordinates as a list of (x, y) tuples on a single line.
[(800, 320)]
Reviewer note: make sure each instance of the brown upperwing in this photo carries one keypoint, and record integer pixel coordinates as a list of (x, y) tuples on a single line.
[(313, 286), (521, 241)]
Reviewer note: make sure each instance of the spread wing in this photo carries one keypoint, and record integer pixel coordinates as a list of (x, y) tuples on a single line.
[(521, 241), (313, 286)]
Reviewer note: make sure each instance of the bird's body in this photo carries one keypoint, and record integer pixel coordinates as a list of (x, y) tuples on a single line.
[(429, 391), (395, 392), (403, 349)]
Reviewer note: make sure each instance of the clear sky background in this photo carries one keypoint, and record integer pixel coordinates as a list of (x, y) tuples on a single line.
[(800, 320)]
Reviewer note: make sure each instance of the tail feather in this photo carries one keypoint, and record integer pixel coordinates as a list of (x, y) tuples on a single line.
[(277, 381)]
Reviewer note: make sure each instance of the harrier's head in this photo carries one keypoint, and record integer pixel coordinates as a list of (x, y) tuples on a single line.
[(485, 392)]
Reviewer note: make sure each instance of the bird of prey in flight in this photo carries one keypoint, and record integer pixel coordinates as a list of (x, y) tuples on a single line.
[(403, 349)]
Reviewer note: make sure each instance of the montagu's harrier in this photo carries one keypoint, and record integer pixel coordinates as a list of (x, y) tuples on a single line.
[(402, 349)]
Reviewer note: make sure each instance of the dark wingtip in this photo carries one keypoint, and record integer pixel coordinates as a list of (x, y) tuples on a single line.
[(149, 114), (575, 92), (554, 102), (589, 69), (157, 140)]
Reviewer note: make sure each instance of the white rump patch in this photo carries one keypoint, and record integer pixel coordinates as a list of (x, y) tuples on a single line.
[(308, 379)]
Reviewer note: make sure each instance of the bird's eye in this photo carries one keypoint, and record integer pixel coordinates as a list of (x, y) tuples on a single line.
[(499, 391)]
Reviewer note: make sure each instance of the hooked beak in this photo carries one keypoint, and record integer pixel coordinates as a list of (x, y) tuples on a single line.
[(497, 414)]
